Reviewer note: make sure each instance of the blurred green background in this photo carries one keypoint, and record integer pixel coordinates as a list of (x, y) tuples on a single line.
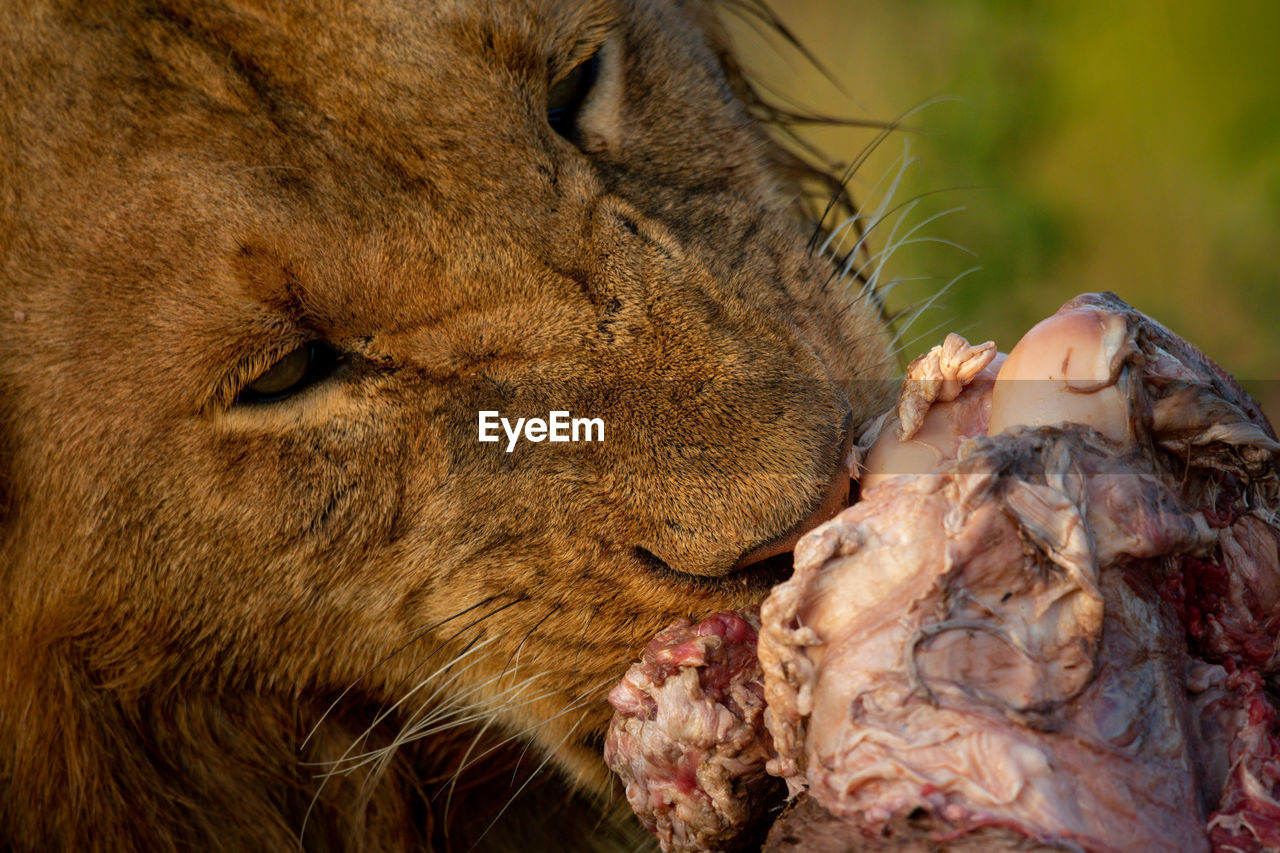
[(1092, 145)]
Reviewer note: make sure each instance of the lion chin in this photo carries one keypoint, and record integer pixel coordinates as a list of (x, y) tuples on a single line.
[(262, 265)]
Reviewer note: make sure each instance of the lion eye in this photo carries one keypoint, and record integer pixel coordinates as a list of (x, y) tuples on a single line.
[(296, 371), (566, 98)]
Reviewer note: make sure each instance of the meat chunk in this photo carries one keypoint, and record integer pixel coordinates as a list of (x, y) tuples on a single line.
[(1062, 629), (688, 736), (966, 645), (1052, 621)]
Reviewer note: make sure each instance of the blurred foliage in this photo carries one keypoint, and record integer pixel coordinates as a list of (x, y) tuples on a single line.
[(1092, 145)]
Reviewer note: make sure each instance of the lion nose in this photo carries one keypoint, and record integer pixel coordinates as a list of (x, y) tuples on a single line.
[(718, 557), (834, 499)]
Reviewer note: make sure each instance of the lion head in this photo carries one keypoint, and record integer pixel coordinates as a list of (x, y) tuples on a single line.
[(262, 263)]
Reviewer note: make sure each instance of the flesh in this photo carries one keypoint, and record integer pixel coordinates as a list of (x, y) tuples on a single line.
[(1051, 617)]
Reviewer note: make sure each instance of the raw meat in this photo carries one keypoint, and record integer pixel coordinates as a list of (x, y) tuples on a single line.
[(989, 645), (1057, 631), (688, 736), (1061, 630)]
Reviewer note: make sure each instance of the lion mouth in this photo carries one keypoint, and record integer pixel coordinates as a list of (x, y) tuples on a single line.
[(771, 570), (835, 498), (768, 556), (756, 578), (772, 563), (768, 563)]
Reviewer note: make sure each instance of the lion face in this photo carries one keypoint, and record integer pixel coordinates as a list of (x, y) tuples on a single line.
[(263, 264)]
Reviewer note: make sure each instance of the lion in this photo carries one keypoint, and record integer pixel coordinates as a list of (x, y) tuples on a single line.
[(262, 265)]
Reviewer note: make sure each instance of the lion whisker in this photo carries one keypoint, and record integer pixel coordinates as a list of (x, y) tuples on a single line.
[(515, 655), (428, 724), (444, 644), (532, 776), (389, 710), (907, 242), (894, 242), (861, 159), (583, 698), (415, 636), (919, 309), (859, 211), (591, 615), (455, 713), (382, 715), (895, 173)]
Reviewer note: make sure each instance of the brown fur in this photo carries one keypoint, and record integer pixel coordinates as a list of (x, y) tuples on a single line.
[(206, 601)]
